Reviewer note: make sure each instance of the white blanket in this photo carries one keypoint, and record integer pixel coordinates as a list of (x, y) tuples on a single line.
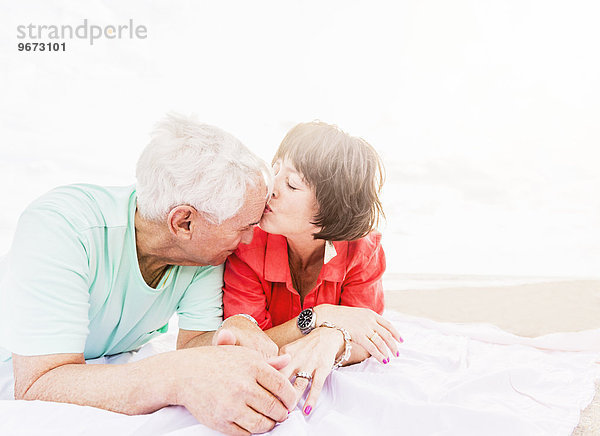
[(450, 379)]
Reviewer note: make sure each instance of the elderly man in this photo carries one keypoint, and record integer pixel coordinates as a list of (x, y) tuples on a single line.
[(97, 271)]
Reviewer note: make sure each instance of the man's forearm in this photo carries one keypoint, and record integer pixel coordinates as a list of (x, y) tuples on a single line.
[(215, 384), (131, 388), (198, 341)]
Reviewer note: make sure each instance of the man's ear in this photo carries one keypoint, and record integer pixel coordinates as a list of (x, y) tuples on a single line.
[(180, 221)]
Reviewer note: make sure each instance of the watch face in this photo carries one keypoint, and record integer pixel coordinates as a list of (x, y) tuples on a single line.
[(304, 319)]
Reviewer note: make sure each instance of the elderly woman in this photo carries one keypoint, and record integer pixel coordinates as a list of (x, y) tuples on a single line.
[(311, 277)]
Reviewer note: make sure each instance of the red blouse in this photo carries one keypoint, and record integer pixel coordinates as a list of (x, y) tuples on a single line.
[(258, 281)]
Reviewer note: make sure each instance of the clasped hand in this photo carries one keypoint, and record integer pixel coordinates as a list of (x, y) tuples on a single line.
[(314, 355)]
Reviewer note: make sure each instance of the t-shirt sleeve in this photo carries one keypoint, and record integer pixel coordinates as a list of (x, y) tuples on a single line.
[(201, 307), (243, 292), (44, 293), (362, 286)]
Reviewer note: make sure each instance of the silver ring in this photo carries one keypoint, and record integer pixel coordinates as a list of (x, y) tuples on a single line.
[(304, 374)]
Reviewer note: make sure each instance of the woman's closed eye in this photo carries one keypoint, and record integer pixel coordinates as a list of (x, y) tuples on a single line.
[(290, 186)]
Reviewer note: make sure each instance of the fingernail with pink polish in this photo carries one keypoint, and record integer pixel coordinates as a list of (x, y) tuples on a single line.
[(397, 353), (385, 361), (401, 340), (307, 410)]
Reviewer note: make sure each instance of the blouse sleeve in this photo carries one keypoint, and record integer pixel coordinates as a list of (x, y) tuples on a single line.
[(243, 292), (362, 286)]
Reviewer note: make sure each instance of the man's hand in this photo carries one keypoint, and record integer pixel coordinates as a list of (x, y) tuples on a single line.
[(247, 334), (226, 337), (232, 389), (229, 388)]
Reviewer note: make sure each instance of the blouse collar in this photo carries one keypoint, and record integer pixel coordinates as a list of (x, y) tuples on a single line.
[(277, 268)]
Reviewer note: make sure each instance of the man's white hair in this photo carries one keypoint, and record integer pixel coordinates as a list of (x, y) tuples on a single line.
[(200, 165)]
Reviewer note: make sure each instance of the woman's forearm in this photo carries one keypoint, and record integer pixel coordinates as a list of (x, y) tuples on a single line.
[(288, 332), (285, 333)]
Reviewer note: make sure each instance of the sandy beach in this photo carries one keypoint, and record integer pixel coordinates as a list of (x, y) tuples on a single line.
[(526, 309)]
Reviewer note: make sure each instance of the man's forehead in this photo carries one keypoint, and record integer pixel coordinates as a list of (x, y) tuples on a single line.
[(254, 205), (257, 194)]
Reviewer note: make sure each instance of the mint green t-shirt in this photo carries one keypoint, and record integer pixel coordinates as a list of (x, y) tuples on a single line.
[(72, 282)]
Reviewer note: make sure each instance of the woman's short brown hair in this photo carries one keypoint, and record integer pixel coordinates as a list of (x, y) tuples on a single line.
[(346, 174)]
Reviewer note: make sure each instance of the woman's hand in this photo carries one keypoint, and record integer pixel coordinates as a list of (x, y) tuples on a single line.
[(313, 354), (367, 328)]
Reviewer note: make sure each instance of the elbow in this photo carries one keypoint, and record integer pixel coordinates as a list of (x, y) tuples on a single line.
[(23, 389), (32, 374), (22, 392)]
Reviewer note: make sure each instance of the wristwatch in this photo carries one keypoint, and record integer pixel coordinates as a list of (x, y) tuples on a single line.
[(307, 321)]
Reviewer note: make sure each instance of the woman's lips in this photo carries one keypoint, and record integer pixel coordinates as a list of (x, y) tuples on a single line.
[(268, 209)]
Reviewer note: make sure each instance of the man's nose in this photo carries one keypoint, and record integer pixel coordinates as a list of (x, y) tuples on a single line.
[(247, 236)]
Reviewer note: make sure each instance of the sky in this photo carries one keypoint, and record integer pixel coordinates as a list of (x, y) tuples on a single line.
[(485, 113)]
